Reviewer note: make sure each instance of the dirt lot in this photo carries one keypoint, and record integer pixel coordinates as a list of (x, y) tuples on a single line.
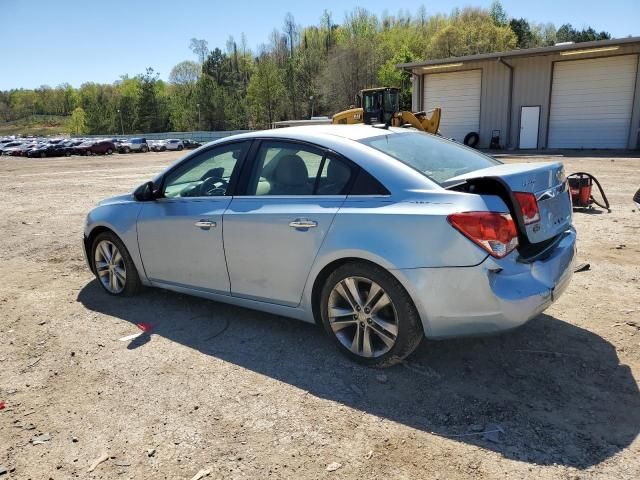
[(250, 395)]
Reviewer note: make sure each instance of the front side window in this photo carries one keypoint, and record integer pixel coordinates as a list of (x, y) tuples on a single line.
[(434, 157), (284, 168), (206, 175)]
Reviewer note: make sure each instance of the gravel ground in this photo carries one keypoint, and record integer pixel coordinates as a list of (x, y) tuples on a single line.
[(242, 394)]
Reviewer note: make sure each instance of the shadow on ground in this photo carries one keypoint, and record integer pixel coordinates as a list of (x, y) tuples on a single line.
[(558, 392)]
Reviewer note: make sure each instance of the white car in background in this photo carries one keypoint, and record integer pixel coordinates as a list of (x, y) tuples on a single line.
[(174, 144), (157, 145)]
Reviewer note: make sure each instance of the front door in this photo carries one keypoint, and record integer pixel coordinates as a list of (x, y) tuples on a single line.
[(272, 234), (180, 234), (529, 122)]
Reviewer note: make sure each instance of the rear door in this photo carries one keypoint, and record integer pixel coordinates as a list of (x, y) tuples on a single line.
[(273, 232)]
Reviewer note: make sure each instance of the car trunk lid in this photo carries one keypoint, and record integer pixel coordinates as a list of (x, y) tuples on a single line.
[(546, 181)]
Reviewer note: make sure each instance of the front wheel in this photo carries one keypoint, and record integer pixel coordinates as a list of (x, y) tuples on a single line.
[(113, 265), (369, 315)]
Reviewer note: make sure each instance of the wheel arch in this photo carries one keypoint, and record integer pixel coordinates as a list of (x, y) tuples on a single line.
[(90, 238), (321, 277)]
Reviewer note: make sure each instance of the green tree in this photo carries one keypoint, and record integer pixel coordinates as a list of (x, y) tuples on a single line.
[(471, 32), (200, 48), (265, 93), (185, 73), (77, 124), (522, 30), (498, 13)]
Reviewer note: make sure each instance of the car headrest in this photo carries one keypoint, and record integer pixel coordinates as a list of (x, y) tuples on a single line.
[(291, 171)]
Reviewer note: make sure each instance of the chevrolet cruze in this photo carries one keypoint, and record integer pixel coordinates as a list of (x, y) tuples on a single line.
[(382, 236)]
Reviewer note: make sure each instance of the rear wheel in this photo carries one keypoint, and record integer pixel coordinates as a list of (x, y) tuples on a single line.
[(113, 265), (109, 151), (369, 315), (180, 147)]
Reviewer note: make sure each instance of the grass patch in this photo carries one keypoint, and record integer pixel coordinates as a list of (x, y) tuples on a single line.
[(39, 125)]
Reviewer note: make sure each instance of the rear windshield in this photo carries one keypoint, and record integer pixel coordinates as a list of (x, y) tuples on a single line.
[(434, 157)]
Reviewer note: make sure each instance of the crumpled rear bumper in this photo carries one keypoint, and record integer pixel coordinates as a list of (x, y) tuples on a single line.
[(494, 296)]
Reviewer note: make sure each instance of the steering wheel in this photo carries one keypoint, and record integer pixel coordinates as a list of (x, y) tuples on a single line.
[(213, 186)]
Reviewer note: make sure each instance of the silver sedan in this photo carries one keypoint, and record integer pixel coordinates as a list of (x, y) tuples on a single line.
[(382, 236)]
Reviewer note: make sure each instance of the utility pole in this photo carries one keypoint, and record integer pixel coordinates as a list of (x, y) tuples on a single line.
[(121, 124), (199, 123)]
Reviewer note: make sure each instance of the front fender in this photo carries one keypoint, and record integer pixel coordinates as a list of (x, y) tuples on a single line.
[(121, 219)]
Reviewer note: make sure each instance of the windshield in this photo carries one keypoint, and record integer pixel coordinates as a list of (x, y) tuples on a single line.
[(434, 157)]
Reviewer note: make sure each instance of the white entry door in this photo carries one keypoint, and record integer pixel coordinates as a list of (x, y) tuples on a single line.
[(529, 123)]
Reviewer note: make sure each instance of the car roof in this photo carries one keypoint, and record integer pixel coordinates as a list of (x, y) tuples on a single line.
[(350, 132)]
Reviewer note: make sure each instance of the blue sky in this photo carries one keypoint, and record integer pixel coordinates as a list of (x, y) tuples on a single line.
[(51, 42)]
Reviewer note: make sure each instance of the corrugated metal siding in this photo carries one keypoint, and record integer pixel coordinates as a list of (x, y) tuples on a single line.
[(531, 86), (494, 99), (494, 105)]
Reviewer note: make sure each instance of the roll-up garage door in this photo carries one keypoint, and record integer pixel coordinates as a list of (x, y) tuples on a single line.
[(591, 102), (458, 94)]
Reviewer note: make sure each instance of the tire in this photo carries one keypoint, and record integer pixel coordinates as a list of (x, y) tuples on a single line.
[(399, 315), (131, 284), (472, 139), (180, 147), (109, 151), (144, 149), (43, 155), (127, 149)]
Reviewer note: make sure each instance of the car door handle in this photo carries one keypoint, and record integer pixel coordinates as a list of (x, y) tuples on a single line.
[(303, 223), (205, 224)]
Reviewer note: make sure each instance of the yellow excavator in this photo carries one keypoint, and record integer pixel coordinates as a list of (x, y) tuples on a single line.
[(382, 106)]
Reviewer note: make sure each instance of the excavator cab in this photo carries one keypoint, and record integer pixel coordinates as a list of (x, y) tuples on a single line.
[(379, 104), (382, 106)]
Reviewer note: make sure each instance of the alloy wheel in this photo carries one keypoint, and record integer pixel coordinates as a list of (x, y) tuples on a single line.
[(363, 317), (110, 267)]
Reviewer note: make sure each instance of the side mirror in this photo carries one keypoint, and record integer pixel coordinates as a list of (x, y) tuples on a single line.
[(145, 193)]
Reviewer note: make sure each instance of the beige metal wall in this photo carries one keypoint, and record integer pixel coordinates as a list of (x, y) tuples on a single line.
[(532, 78)]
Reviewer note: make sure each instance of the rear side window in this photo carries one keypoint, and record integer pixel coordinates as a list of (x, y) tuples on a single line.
[(366, 184), (284, 168)]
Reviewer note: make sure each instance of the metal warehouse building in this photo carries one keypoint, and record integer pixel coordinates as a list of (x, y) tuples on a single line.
[(584, 95)]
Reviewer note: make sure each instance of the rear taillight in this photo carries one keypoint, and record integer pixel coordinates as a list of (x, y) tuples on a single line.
[(528, 206), (492, 231)]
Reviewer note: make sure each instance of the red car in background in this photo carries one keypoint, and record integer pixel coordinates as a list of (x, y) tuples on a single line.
[(102, 147)]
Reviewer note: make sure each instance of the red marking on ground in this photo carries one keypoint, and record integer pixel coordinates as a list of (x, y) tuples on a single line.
[(145, 327)]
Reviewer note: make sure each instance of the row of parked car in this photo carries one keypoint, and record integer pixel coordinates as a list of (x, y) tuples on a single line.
[(60, 147)]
